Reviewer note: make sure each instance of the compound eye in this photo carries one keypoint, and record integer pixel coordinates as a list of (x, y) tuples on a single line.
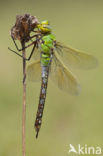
[(46, 22)]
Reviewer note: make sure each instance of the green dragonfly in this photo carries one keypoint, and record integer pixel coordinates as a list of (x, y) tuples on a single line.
[(52, 59)]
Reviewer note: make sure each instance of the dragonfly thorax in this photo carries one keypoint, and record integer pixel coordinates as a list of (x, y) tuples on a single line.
[(47, 45)]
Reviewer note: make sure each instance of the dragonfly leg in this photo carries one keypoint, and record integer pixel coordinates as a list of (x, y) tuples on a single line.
[(35, 35), (15, 52), (31, 52), (16, 45), (25, 46), (27, 59)]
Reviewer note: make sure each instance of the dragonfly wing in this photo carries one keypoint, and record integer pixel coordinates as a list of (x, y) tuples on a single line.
[(36, 54), (34, 71), (63, 77), (75, 58)]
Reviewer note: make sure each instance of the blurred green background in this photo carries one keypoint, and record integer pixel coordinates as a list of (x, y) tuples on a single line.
[(67, 119)]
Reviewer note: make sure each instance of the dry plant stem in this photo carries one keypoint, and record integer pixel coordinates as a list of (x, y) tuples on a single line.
[(24, 103)]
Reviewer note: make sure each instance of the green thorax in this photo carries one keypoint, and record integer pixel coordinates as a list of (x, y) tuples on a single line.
[(46, 46)]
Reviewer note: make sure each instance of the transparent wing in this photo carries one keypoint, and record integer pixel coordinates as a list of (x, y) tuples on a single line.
[(34, 71), (62, 77), (75, 58), (36, 54)]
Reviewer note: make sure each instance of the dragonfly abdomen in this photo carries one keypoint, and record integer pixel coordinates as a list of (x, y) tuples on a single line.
[(38, 122), (46, 57)]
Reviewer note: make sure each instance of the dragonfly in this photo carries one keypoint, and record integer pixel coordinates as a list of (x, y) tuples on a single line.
[(53, 59)]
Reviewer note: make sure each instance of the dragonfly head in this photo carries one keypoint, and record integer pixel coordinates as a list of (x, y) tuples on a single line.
[(44, 27)]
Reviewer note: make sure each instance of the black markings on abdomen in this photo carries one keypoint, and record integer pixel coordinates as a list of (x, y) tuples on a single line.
[(42, 98)]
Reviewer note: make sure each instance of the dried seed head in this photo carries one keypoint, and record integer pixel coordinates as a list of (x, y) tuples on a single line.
[(23, 27)]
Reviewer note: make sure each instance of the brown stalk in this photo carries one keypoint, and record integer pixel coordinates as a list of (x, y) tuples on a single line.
[(24, 25), (24, 103)]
